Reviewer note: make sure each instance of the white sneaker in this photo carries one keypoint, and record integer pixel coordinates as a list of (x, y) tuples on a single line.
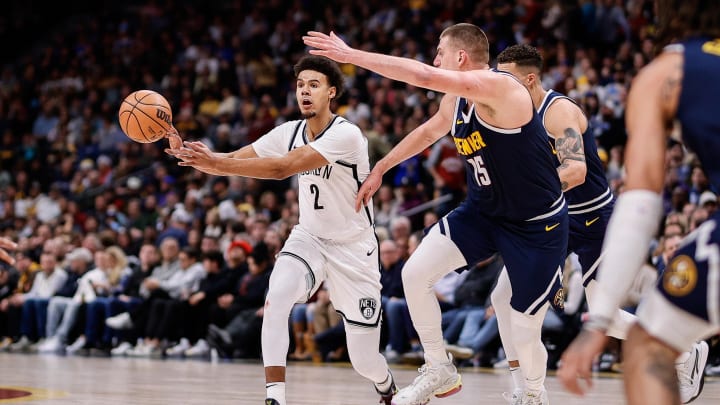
[(460, 352), (441, 381), (21, 345), (78, 344), (691, 373), (51, 345), (534, 398), (121, 349), (501, 364), (140, 350), (199, 349), (513, 398), (120, 321), (179, 349)]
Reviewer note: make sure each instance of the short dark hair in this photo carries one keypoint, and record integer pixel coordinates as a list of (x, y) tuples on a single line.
[(329, 68), (523, 56), (214, 256), (471, 39)]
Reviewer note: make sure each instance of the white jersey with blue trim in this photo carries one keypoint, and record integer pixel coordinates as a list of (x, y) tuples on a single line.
[(327, 194)]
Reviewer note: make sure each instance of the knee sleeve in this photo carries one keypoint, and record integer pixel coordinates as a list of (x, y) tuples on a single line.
[(526, 339), (500, 299), (436, 256), (287, 286), (363, 348)]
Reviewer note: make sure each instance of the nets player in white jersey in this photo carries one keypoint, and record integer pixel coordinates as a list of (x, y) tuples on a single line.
[(679, 86), (332, 242)]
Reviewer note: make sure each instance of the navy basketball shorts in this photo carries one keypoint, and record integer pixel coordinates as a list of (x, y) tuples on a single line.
[(587, 232), (533, 251)]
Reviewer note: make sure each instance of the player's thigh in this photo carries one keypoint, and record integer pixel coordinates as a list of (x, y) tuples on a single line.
[(353, 281), (308, 252), (470, 232), (688, 293)]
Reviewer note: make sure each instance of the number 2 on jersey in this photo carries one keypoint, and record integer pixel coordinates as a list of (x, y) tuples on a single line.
[(482, 177), (314, 189)]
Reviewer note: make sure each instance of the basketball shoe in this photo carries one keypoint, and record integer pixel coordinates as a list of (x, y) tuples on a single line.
[(513, 398), (691, 372), (534, 398), (440, 380)]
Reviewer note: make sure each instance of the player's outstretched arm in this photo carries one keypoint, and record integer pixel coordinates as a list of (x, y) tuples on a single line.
[(413, 143), (480, 85), (562, 122), (199, 156), (5, 245)]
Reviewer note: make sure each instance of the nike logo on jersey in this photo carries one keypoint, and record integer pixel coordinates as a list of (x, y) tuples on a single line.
[(592, 221), (460, 122), (549, 228), (371, 251)]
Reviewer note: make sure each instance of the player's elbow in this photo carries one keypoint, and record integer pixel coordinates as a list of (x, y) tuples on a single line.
[(280, 171), (425, 76)]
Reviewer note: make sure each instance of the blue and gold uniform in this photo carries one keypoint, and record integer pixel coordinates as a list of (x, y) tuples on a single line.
[(589, 204), (514, 205), (691, 280)]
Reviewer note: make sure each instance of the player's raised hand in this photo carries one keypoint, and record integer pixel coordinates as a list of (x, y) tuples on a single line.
[(330, 46), (369, 187), (5, 245), (576, 362)]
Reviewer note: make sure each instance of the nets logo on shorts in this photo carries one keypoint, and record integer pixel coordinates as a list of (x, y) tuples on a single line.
[(367, 307), (680, 277)]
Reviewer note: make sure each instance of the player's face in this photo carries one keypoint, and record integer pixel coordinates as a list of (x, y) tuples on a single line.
[(448, 57), (313, 93)]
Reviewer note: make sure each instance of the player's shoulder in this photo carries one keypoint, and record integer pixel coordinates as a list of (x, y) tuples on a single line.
[(343, 125)]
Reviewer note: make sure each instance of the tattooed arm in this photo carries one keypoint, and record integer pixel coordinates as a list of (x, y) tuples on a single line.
[(566, 123)]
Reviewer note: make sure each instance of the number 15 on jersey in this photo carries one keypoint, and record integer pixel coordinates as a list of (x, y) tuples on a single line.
[(482, 177)]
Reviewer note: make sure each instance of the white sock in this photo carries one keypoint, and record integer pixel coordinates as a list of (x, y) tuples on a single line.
[(684, 356), (385, 385), (517, 378), (276, 391)]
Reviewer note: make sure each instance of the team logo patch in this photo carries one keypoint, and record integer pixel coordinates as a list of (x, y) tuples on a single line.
[(680, 277), (367, 307), (559, 299)]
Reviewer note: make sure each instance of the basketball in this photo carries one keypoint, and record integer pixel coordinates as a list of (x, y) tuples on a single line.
[(145, 116)]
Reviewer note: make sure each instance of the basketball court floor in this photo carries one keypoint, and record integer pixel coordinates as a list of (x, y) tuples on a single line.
[(53, 380)]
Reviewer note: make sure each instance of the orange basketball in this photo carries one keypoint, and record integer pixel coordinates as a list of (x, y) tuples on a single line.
[(145, 116)]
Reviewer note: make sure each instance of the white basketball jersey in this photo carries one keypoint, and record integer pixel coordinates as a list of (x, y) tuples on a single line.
[(327, 195)]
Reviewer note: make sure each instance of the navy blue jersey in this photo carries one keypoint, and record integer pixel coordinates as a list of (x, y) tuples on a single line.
[(595, 192), (698, 108), (510, 172)]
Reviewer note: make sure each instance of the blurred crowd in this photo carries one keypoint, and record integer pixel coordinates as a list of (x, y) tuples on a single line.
[(121, 249)]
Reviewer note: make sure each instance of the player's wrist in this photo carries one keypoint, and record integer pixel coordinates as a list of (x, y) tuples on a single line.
[(597, 323)]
